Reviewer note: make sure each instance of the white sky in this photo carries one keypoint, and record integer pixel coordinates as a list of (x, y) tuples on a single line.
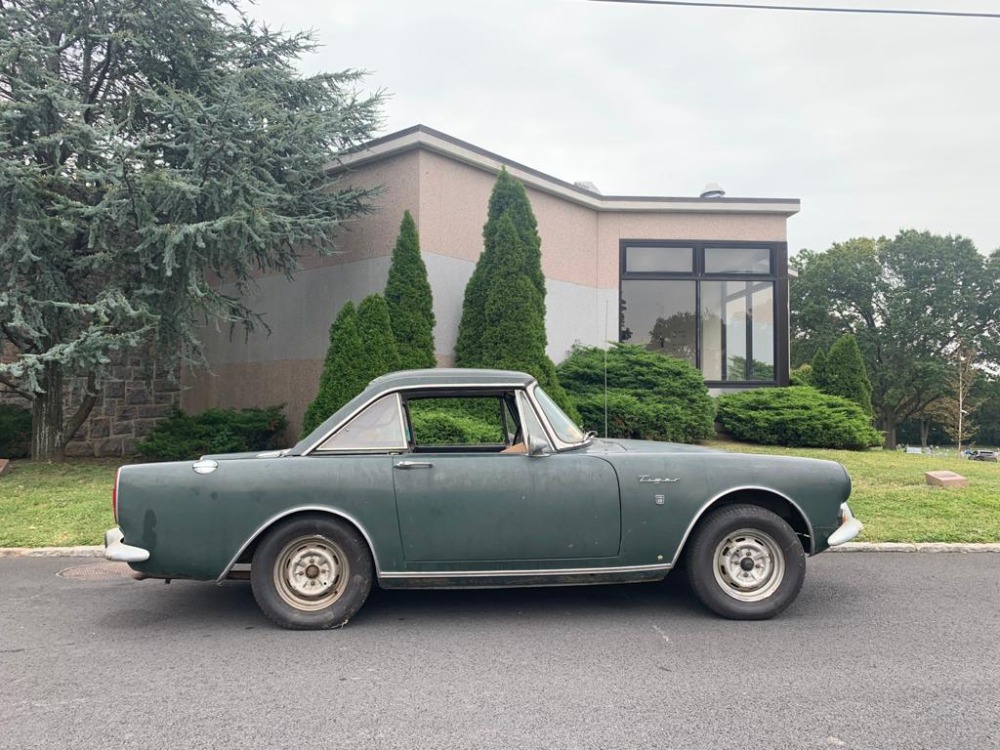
[(876, 123)]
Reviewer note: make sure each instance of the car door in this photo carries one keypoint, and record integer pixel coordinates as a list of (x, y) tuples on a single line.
[(484, 508)]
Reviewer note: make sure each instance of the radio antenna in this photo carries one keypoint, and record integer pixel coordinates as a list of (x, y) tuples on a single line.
[(607, 341)]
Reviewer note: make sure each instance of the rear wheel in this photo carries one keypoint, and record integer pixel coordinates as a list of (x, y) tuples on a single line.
[(745, 563), (311, 573)]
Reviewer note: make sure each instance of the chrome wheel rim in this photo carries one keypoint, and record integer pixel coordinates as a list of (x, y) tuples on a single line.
[(311, 573), (749, 565)]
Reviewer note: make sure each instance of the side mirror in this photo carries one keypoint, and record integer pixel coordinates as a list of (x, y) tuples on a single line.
[(537, 446)]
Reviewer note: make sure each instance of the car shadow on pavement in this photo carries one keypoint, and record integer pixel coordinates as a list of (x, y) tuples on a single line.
[(187, 604)]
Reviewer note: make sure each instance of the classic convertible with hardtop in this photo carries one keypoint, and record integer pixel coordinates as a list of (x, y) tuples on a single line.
[(377, 494)]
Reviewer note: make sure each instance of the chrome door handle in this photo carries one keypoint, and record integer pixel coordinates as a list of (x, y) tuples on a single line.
[(414, 465)]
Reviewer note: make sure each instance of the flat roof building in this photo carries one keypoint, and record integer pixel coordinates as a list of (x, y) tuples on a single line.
[(703, 278)]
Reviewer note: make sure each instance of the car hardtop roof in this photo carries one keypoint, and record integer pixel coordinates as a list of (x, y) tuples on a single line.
[(444, 378), (450, 376)]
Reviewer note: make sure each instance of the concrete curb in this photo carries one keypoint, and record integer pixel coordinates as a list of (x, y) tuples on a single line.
[(914, 547), (51, 551), (98, 551)]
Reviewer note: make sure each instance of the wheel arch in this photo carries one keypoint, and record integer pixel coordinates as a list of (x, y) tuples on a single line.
[(762, 497), (245, 552)]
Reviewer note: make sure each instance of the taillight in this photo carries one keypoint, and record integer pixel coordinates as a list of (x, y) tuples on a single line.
[(114, 495)]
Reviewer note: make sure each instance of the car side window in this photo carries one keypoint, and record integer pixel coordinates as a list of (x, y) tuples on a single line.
[(379, 427), (475, 422)]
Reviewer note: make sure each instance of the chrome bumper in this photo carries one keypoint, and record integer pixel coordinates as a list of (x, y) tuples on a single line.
[(115, 548), (849, 528)]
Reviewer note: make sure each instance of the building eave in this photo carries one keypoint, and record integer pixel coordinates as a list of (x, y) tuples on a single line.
[(434, 141)]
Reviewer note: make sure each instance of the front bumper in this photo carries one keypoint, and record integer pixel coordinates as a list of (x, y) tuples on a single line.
[(849, 527), (116, 549)]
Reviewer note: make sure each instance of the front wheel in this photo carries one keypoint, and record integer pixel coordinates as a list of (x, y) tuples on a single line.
[(311, 573), (745, 563)]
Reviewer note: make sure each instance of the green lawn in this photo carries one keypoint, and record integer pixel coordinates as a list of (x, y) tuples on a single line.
[(70, 504), (56, 505)]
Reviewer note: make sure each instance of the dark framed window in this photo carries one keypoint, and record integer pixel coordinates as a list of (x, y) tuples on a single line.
[(722, 306)]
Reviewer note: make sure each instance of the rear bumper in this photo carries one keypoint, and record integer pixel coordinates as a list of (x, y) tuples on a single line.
[(849, 528), (116, 549)]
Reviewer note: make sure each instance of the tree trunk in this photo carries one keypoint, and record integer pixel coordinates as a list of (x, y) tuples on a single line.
[(47, 418), (925, 431), (889, 424)]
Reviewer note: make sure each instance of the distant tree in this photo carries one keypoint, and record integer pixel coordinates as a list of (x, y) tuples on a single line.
[(343, 375), (675, 336), (503, 315), (146, 149), (955, 411), (908, 302), (844, 373), (986, 393), (408, 294), (381, 355)]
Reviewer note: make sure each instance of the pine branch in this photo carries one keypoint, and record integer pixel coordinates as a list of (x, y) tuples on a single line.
[(14, 387)]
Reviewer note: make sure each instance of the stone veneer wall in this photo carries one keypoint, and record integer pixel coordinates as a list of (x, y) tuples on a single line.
[(135, 394)]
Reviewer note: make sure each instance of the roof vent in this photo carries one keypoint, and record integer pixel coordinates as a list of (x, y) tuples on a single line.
[(588, 186), (713, 190)]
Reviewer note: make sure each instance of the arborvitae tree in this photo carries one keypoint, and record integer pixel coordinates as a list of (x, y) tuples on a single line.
[(844, 373), (514, 337), (408, 294), (147, 148), (819, 380), (509, 197), (380, 354), (509, 255), (343, 376)]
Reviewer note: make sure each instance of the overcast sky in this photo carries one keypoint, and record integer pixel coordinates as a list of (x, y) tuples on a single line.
[(876, 123)]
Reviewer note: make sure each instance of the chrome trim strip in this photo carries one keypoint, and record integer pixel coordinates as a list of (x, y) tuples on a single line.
[(524, 573), (731, 490), (400, 389), (300, 509)]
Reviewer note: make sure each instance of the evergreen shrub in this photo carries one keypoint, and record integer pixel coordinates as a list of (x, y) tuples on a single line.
[(183, 436), (802, 375), (411, 304), (798, 416), (650, 396), (845, 374), (15, 431), (443, 426)]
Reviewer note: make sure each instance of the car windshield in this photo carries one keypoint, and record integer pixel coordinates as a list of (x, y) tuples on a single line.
[(563, 426)]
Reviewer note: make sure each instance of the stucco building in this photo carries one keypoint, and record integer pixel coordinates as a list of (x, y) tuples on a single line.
[(699, 277)]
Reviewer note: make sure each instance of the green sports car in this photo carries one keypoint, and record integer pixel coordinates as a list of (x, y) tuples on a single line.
[(391, 489)]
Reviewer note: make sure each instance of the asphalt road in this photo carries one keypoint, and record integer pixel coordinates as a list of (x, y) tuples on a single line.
[(879, 651)]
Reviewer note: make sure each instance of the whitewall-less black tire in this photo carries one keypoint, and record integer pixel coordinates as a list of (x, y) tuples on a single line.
[(311, 572), (745, 563)]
